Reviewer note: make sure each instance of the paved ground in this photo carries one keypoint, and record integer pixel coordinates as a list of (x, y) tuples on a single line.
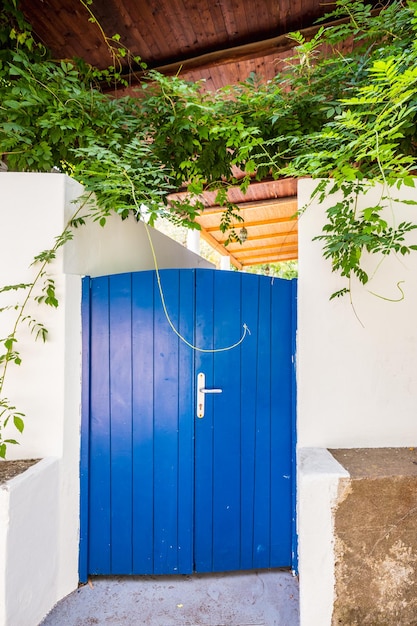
[(263, 598)]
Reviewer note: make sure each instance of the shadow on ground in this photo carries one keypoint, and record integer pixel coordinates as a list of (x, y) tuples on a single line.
[(259, 598)]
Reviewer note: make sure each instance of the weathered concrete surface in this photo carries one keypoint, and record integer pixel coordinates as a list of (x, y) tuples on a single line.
[(375, 523), (262, 598)]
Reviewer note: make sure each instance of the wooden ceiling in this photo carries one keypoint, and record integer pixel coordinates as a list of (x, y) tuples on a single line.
[(220, 41), (270, 225), (195, 35)]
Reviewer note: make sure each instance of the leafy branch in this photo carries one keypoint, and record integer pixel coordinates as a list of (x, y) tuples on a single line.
[(47, 296), (118, 52)]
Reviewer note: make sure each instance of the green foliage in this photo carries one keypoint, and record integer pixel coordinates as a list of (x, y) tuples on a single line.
[(327, 113), (350, 232), (8, 413), (123, 177), (48, 108), (370, 135), (284, 269)]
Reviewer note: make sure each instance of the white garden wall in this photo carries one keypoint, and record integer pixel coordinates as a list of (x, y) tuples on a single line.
[(46, 387), (318, 482), (356, 380), (32, 565), (39, 513)]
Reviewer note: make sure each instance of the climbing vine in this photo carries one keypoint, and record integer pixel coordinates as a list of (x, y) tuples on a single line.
[(41, 290)]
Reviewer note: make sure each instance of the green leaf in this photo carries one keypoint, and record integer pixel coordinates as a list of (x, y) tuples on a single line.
[(12, 104), (19, 424), (9, 342)]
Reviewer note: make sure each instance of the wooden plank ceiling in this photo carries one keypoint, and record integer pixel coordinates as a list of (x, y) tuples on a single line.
[(220, 41), (269, 232)]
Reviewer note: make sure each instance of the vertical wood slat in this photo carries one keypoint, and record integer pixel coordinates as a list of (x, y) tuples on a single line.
[(294, 536), (226, 408), (203, 513), (166, 430), (85, 433), (249, 382), (143, 426), (281, 426), (262, 468), (120, 357), (100, 473), (186, 413)]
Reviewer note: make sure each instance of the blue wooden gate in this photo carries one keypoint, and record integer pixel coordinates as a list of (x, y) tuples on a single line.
[(162, 489)]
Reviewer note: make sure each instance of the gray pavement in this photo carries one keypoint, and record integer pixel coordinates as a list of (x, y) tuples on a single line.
[(260, 598)]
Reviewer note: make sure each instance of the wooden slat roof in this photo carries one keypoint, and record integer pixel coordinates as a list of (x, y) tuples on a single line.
[(268, 210), (163, 32)]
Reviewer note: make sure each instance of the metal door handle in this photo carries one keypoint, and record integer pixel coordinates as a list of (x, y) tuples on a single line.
[(201, 393)]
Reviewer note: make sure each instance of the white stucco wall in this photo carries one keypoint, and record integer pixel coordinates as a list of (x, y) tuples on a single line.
[(4, 528), (317, 488), (124, 246), (31, 216), (32, 558), (44, 512), (357, 381)]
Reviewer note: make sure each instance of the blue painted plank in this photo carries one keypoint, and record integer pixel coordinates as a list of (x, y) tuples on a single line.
[(121, 423), (186, 412), (204, 442), (281, 427), (250, 316), (166, 425), (85, 432), (226, 423), (100, 504), (263, 432), (143, 424), (294, 561)]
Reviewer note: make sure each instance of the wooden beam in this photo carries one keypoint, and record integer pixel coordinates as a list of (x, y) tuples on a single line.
[(275, 220), (269, 180), (220, 249), (278, 259), (280, 235), (251, 205), (267, 249), (281, 259)]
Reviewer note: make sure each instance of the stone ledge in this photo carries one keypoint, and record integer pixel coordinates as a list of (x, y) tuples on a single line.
[(375, 531), (377, 462)]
